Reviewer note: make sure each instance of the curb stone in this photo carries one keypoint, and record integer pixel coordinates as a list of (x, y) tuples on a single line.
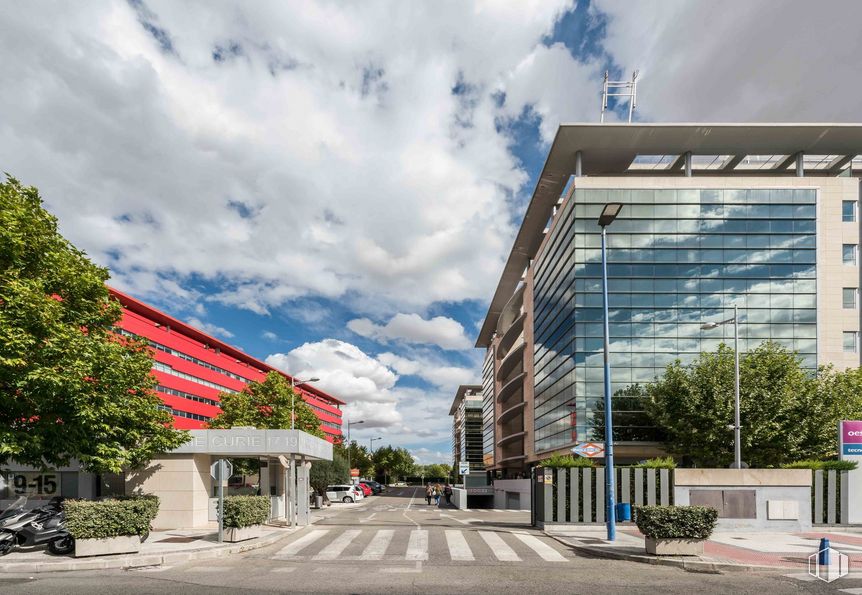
[(139, 560), (687, 565)]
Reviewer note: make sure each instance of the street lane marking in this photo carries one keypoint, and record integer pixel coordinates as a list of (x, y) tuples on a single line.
[(502, 551), (368, 518), (417, 548), (338, 545), (284, 569), (458, 548), (379, 543), (297, 546), (547, 553)]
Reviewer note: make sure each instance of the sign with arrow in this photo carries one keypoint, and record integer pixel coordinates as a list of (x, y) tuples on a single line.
[(589, 450)]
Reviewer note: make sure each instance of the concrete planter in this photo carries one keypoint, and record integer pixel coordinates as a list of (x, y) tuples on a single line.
[(124, 544), (674, 547), (234, 534)]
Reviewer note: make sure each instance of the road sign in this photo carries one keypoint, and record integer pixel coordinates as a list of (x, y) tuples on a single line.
[(227, 469), (354, 473), (464, 468), (589, 450)]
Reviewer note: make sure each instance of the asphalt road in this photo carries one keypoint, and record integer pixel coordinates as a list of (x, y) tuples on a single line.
[(395, 543)]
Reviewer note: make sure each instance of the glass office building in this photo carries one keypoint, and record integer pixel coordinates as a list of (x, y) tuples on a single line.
[(676, 258), (761, 217)]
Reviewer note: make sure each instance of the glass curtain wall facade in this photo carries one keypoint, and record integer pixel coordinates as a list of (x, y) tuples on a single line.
[(676, 258), (488, 400), (472, 439)]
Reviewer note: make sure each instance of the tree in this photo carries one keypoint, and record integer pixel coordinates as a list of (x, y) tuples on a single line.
[(694, 406), (389, 462), (359, 457), (70, 388), (266, 405), (327, 473), (434, 471)]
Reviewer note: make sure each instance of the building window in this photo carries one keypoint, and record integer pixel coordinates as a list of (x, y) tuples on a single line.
[(850, 341), (848, 211), (849, 297), (849, 254)]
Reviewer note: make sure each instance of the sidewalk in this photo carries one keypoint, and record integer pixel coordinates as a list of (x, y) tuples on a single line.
[(723, 552), (161, 547)]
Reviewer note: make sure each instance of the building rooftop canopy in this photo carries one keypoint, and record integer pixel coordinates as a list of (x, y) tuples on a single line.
[(660, 149), (462, 391)]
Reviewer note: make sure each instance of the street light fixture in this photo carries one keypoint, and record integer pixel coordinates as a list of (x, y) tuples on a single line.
[(609, 213), (371, 440), (737, 429), (293, 384), (348, 443)]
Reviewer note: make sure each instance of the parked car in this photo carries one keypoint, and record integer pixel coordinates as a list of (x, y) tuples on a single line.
[(375, 487), (366, 489), (344, 493)]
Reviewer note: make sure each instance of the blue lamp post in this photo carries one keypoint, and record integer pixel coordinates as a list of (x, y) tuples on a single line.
[(609, 213)]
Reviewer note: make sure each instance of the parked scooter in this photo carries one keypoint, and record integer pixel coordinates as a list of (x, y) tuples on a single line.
[(43, 525)]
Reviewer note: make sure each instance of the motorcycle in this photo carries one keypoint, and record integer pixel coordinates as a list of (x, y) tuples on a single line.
[(43, 525)]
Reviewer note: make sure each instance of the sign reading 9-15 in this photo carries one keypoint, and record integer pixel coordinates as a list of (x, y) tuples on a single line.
[(26, 483)]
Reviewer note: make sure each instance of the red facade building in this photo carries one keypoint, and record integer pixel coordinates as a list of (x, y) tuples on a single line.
[(192, 368)]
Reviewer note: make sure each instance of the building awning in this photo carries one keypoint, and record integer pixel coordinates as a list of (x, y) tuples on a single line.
[(250, 442)]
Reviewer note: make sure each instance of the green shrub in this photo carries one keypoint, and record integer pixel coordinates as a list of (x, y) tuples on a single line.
[(558, 461), (87, 519), (676, 522), (245, 511), (824, 465), (657, 463)]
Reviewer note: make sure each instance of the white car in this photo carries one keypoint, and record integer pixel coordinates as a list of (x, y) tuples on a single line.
[(344, 493)]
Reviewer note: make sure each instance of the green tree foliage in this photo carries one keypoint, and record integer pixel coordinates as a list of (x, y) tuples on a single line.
[(69, 387), (266, 405), (566, 461), (631, 421), (785, 414), (434, 470), (326, 473), (392, 462), (359, 457)]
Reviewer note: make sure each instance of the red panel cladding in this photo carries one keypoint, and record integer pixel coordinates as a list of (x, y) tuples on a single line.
[(184, 423)]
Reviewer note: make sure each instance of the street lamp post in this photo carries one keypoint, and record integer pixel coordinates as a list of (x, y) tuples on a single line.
[(609, 213), (348, 444), (737, 428), (293, 384), (371, 442)]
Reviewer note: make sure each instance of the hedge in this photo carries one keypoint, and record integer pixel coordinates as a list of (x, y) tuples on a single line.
[(245, 511), (88, 519), (565, 461), (824, 465), (676, 522)]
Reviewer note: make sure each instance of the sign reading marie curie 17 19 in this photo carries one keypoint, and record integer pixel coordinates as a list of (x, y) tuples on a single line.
[(851, 438)]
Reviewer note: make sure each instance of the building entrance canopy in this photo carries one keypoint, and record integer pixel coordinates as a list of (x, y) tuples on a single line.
[(250, 442)]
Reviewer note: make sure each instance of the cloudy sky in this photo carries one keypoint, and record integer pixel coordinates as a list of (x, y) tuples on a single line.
[(334, 187)]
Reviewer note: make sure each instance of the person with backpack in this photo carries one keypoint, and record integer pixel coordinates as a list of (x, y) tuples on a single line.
[(447, 491), (429, 493), (438, 491)]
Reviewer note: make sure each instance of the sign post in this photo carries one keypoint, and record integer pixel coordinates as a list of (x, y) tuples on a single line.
[(464, 468), (850, 449), (221, 470)]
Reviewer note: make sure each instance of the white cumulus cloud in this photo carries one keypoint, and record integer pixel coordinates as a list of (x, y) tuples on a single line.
[(412, 328), (210, 328)]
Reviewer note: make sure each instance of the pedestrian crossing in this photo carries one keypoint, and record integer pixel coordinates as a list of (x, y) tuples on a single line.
[(417, 545)]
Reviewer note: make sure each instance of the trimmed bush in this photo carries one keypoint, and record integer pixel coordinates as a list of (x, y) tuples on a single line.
[(565, 461), (87, 519), (676, 522), (657, 463), (824, 465), (245, 511)]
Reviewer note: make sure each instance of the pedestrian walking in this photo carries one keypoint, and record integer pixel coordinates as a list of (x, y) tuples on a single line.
[(429, 493), (438, 491), (447, 491)]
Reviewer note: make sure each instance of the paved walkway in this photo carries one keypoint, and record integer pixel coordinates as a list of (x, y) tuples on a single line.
[(161, 547), (724, 550)]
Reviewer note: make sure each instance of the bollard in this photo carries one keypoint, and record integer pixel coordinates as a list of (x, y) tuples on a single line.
[(823, 552)]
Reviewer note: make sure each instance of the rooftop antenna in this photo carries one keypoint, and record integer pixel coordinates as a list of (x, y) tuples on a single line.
[(620, 89)]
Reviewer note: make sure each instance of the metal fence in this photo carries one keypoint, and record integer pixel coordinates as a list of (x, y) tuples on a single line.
[(830, 497), (578, 495)]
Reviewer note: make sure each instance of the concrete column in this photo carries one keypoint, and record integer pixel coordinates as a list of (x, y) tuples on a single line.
[(687, 164), (302, 512), (579, 169), (800, 168)]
